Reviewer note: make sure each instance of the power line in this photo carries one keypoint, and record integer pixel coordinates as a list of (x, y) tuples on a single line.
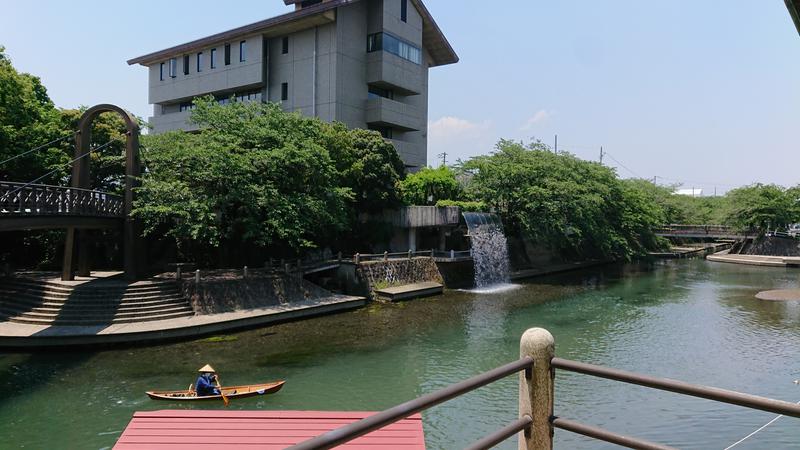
[(38, 148), (605, 153), (59, 167)]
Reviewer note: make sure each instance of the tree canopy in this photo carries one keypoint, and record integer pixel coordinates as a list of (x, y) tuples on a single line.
[(257, 176), (576, 207), (429, 186)]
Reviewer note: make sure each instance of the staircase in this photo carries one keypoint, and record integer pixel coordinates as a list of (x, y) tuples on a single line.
[(105, 302)]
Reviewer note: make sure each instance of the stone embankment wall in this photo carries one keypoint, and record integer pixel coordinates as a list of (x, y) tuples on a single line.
[(774, 246), (397, 272), (228, 292)]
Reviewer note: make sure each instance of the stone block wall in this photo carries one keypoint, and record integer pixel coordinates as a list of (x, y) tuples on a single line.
[(219, 293), (397, 272)]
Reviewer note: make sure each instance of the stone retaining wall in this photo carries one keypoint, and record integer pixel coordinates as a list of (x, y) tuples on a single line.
[(397, 272), (218, 294)]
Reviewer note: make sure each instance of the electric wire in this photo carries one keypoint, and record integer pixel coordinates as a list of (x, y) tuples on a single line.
[(61, 165), (38, 148)]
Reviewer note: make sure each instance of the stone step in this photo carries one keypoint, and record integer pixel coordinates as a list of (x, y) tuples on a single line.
[(4, 294), (96, 315), (71, 322), (89, 293), (90, 304), (99, 286), (45, 309)]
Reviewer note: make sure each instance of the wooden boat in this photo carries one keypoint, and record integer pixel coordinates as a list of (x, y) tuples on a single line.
[(230, 392)]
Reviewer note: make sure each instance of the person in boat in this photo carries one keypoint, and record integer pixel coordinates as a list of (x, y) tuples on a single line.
[(206, 384)]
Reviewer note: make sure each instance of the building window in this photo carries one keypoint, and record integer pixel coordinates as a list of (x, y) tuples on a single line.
[(161, 72), (284, 91), (243, 51), (227, 54), (200, 61), (186, 64), (376, 92), (213, 58), (386, 132), (186, 106), (404, 10), (395, 46), (285, 45), (173, 68)]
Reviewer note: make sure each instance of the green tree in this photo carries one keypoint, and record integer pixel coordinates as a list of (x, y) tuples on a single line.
[(429, 186), (577, 207), (255, 176), (762, 206), (28, 119)]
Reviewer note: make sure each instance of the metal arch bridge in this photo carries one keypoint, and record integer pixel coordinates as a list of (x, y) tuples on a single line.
[(37, 206)]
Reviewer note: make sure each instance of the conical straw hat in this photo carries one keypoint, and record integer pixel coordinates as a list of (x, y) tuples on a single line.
[(207, 368)]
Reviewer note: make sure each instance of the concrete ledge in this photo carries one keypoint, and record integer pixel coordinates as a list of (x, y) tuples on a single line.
[(17, 335), (780, 295), (410, 291), (755, 260)]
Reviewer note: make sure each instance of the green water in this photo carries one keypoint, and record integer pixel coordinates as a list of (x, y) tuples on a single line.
[(690, 320)]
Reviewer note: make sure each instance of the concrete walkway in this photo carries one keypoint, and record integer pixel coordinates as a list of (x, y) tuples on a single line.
[(756, 260), (21, 335)]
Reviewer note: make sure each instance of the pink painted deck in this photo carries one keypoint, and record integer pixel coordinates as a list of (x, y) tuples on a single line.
[(268, 430)]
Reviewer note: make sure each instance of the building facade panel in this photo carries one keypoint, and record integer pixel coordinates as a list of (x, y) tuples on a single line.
[(361, 62)]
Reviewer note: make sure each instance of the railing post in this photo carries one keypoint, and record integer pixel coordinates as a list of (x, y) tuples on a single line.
[(339, 257), (452, 254), (244, 272), (410, 255), (385, 256), (536, 389), (197, 276), (178, 273), (357, 258)]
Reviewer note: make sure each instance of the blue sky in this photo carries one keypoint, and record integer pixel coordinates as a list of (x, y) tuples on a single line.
[(703, 93)]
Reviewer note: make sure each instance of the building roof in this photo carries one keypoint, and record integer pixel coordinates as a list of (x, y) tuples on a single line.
[(433, 39), (225, 429), (794, 10)]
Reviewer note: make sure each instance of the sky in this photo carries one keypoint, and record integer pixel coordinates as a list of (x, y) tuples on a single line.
[(705, 94)]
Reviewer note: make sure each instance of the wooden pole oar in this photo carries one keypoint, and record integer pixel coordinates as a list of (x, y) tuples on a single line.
[(222, 393)]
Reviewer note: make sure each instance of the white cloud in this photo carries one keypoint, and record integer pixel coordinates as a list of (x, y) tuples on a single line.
[(449, 126), (537, 117), (459, 138)]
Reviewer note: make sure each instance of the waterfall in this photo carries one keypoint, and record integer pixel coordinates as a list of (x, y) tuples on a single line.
[(489, 249)]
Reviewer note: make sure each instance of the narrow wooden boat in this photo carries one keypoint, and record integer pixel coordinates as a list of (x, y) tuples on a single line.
[(230, 392)]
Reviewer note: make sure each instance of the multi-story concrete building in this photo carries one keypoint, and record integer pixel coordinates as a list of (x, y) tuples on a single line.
[(361, 62)]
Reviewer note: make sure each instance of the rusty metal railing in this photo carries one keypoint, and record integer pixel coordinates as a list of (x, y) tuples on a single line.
[(537, 420), (357, 429)]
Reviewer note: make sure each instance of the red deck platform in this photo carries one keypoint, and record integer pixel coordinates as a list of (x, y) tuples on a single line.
[(271, 430)]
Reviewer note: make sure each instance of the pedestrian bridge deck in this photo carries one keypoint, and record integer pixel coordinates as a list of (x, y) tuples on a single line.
[(198, 430)]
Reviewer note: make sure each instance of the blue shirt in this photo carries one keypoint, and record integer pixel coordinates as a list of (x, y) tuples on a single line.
[(205, 386)]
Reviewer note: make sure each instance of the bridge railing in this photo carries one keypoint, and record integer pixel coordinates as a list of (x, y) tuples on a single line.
[(537, 367), (40, 199)]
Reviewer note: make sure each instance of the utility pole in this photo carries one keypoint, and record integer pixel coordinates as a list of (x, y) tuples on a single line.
[(556, 147), (443, 155), (655, 180), (601, 155)]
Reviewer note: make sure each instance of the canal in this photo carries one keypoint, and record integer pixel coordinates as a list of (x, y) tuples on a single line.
[(691, 320)]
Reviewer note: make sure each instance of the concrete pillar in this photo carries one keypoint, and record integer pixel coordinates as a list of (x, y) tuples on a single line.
[(536, 393), (412, 239)]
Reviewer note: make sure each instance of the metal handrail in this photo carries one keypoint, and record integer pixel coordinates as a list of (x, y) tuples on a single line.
[(50, 186), (364, 426), (680, 387), (523, 424), (605, 435)]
